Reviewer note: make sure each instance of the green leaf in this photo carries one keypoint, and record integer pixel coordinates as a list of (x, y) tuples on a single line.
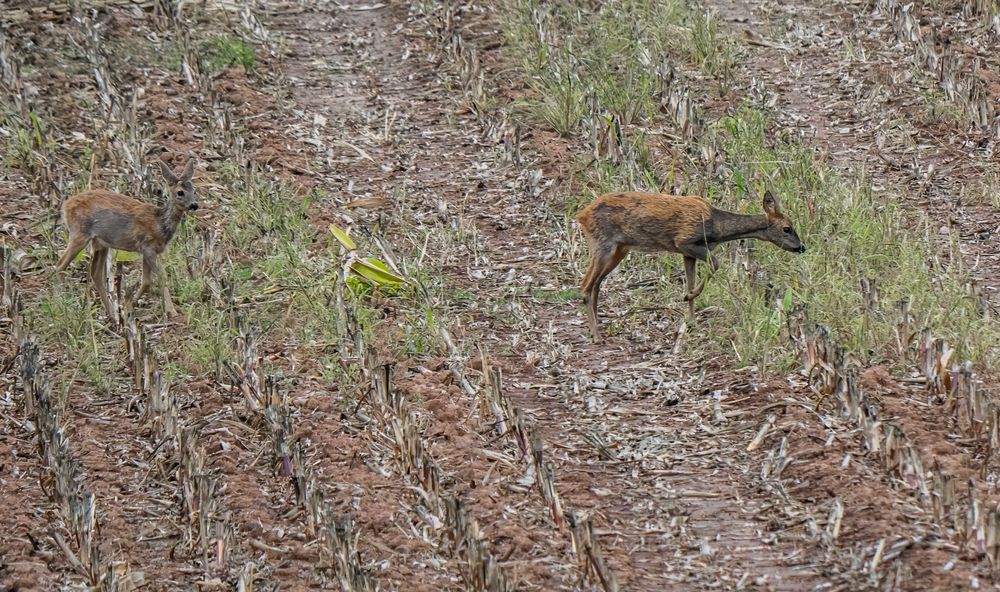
[(375, 271), (787, 300), (37, 125), (359, 287), (342, 237)]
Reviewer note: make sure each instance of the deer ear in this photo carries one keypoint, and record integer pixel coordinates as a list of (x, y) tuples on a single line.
[(188, 170), (771, 207), (167, 173)]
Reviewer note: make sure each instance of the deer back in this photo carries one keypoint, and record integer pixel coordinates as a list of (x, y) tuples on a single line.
[(645, 221), (114, 220)]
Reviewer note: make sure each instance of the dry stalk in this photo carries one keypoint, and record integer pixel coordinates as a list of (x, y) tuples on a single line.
[(676, 100), (956, 388), (592, 566), (959, 79), (62, 483), (260, 393), (482, 571)]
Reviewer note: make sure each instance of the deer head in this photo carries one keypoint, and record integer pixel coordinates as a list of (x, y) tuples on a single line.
[(182, 194), (779, 228)]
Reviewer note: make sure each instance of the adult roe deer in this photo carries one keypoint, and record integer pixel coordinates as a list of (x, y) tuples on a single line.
[(616, 223), (109, 220)]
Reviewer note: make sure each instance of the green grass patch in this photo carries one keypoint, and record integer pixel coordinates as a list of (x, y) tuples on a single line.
[(227, 52), (577, 61), (65, 321)]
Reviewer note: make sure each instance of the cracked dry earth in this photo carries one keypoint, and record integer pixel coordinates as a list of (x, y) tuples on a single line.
[(654, 446)]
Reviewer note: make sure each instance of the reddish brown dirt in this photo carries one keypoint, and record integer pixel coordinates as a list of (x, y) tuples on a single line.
[(27, 562), (838, 104)]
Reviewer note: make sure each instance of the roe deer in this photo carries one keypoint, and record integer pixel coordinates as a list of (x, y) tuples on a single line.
[(110, 220), (616, 223)]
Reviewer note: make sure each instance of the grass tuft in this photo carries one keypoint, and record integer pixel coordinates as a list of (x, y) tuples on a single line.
[(227, 52)]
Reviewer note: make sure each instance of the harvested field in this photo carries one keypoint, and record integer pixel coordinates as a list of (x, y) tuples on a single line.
[(380, 376)]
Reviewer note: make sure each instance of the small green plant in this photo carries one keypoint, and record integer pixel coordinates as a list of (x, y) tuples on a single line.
[(366, 272), (938, 109), (556, 296), (212, 341), (226, 52), (710, 51)]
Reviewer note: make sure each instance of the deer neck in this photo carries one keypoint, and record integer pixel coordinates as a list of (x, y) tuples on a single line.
[(729, 226), (169, 216)]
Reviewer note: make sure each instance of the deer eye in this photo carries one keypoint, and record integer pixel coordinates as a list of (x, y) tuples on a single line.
[(180, 193), (787, 229)]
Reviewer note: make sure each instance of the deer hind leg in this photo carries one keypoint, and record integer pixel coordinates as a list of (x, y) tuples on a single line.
[(587, 279), (99, 279), (605, 261), (76, 244)]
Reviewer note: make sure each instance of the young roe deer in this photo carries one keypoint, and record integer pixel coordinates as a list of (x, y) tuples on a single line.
[(108, 220), (616, 223)]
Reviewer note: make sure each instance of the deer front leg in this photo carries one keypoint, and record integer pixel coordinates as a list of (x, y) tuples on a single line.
[(690, 269), (693, 254), (713, 264), (76, 244), (168, 305), (150, 267), (99, 280)]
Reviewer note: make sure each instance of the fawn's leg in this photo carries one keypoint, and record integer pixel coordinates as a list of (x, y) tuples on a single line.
[(605, 264), (168, 305), (713, 264), (587, 285), (76, 244), (588, 278), (148, 267), (99, 278)]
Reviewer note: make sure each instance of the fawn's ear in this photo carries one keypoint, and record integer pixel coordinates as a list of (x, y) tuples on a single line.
[(167, 173), (188, 170), (771, 207)]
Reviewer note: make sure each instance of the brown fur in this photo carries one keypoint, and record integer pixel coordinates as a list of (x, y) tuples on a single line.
[(108, 220), (616, 223), (644, 221), (83, 210)]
